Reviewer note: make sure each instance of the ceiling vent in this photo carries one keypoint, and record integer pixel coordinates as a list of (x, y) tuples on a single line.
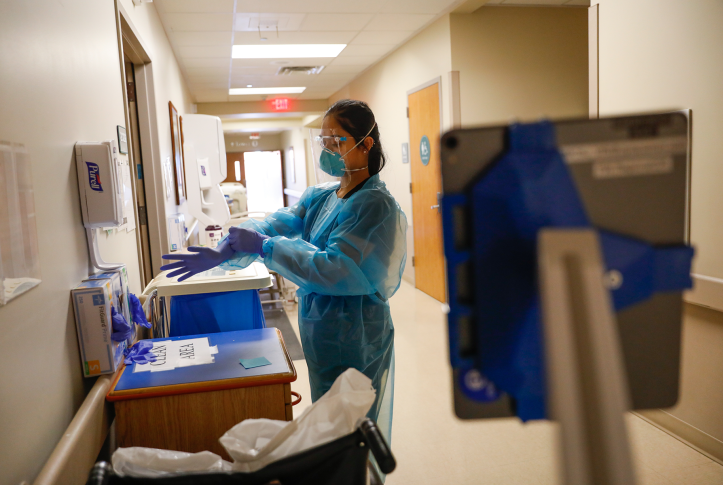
[(289, 70)]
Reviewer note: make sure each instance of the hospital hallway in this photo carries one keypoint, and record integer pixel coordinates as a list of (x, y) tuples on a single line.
[(432, 446)]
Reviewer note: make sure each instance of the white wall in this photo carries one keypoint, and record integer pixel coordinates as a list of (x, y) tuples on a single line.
[(520, 63), (384, 87), (659, 55), (294, 140), (169, 85), (60, 82)]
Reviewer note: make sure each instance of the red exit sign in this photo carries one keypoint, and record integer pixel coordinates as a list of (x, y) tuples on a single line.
[(280, 104)]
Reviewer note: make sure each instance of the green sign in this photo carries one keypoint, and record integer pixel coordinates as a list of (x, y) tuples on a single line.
[(425, 150)]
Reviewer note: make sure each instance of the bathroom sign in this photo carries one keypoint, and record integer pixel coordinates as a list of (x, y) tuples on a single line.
[(425, 150)]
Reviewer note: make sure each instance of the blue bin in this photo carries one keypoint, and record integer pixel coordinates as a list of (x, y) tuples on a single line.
[(216, 312)]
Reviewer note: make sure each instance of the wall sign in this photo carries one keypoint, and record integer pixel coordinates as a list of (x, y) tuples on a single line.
[(425, 150), (405, 152), (122, 140)]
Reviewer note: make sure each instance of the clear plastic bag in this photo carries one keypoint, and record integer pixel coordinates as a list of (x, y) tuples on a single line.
[(152, 462)]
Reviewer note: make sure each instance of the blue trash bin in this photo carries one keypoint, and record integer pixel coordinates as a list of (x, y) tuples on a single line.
[(216, 312)]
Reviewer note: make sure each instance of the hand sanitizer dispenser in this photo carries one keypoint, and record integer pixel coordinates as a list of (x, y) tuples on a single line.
[(101, 192)]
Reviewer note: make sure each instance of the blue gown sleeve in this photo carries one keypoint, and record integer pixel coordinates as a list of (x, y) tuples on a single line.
[(364, 255), (286, 222)]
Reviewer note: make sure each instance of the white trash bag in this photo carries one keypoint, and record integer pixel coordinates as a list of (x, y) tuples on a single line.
[(151, 462), (254, 443)]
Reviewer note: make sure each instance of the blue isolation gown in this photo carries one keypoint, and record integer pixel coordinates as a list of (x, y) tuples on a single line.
[(347, 257)]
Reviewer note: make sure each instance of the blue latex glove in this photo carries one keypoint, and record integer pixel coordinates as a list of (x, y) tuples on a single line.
[(121, 328), (140, 353), (244, 240), (203, 260), (137, 314)]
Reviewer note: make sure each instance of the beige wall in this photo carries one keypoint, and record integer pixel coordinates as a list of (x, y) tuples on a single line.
[(520, 63), (384, 87), (169, 85), (60, 82), (659, 55)]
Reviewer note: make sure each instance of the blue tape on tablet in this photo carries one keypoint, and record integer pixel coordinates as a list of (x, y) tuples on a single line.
[(257, 362)]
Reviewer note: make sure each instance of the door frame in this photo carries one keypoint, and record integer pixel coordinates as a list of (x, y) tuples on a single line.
[(149, 141), (431, 82)]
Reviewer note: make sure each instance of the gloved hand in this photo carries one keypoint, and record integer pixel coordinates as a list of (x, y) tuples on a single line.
[(246, 240), (203, 260), (139, 353), (137, 314), (121, 328)]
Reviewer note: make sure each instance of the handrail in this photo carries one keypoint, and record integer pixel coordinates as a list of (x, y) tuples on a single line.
[(77, 451)]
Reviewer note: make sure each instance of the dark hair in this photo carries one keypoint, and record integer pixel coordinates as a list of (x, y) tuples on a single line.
[(357, 119)]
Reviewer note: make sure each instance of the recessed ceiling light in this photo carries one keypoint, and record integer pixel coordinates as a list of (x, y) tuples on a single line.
[(249, 85), (286, 51), (246, 91)]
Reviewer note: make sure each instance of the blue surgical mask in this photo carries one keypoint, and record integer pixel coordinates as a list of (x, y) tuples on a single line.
[(333, 163)]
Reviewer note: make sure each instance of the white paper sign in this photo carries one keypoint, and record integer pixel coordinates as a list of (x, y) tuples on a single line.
[(171, 354)]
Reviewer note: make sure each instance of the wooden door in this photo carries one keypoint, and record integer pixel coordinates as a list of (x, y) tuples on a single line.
[(424, 132)]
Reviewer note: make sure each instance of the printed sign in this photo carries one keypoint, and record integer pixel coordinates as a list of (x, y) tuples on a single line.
[(425, 150), (94, 176), (122, 140)]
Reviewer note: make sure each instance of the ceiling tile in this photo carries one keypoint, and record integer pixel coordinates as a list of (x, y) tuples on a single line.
[(248, 38), (201, 62), (198, 22), (201, 38), (368, 50), (384, 37), (267, 21), (334, 69), (194, 6), (206, 51), (208, 86), (398, 21), (355, 60), (205, 78), (417, 6), (326, 22), (310, 6), (206, 71)]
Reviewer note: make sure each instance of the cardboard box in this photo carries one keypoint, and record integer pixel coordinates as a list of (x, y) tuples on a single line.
[(121, 301), (99, 354)]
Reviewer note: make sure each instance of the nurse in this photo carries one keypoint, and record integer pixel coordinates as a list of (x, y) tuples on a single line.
[(344, 245)]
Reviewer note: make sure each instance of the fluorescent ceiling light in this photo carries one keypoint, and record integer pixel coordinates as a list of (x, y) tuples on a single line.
[(281, 51), (237, 91)]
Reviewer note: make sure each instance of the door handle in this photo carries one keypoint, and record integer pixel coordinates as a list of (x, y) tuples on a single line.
[(438, 205)]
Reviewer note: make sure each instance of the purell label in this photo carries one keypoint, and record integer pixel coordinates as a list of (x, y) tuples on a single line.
[(203, 170), (94, 176)]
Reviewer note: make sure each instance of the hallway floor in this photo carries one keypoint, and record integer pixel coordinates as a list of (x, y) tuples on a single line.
[(432, 446)]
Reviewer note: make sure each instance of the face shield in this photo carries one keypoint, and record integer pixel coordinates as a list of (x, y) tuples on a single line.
[(329, 152)]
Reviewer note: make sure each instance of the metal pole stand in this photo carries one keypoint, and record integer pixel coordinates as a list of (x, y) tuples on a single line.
[(586, 383)]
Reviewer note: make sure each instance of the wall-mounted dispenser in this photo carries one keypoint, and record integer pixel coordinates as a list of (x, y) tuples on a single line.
[(101, 192)]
